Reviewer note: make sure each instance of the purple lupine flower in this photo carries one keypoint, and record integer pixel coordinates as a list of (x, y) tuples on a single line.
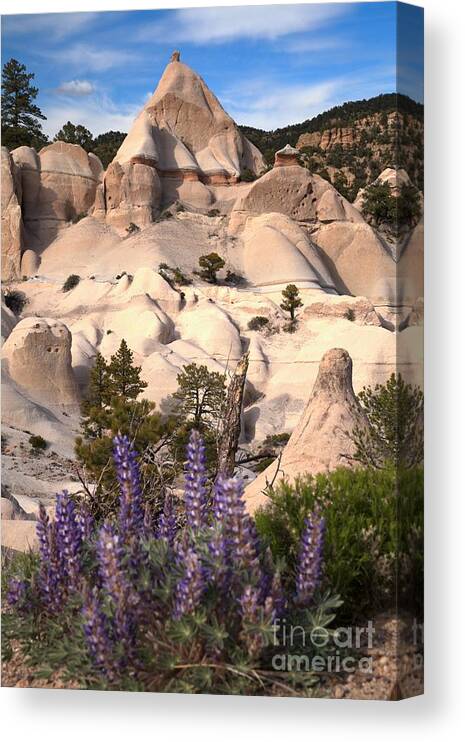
[(189, 590), (167, 526), (195, 492), (131, 516), (114, 581), (85, 522), (252, 614), (16, 592), (50, 577), (311, 559), (97, 636), (229, 510), (69, 539), (275, 601)]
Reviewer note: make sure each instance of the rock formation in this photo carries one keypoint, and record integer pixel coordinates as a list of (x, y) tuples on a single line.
[(37, 358), (277, 252), (12, 224), (286, 156), (182, 137), (320, 442), (58, 186), (292, 190)]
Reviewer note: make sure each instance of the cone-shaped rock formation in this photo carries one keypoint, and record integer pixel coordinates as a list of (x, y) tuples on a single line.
[(321, 441)]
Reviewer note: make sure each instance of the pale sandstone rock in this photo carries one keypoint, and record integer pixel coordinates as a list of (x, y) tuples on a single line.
[(361, 263), (30, 263), (183, 127), (209, 327), (132, 194), (320, 442), (19, 535), (38, 359), (150, 282), (12, 224), (277, 251), (58, 185), (353, 308)]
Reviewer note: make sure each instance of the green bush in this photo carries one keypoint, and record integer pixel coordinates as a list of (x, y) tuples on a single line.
[(71, 282), (374, 533), (258, 323), (16, 301), (132, 229), (38, 443)]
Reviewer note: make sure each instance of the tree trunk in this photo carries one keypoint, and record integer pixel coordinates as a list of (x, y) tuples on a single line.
[(230, 429)]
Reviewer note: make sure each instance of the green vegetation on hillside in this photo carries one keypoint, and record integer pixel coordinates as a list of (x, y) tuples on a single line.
[(387, 131)]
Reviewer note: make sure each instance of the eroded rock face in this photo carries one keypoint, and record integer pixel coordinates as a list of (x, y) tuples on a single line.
[(292, 190), (38, 359), (58, 185), (184, 131), (277, 251), (132, 193), (320, 442), (12, 224)]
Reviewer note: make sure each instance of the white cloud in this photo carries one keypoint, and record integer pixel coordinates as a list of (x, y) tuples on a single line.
[(97, 113), (271, 104), (52, 26), (76, 88), (286, 104), (87, 57), (218, 25)]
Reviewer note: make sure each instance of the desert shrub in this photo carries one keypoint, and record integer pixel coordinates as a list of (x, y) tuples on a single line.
[(174, 276), (349, 314), (258, 323), (235, 279), (394, 435), (213, 212), (276, 439), (142, 605), (165, 214), (210, 265), (132, 229), (37, 443), (71, 282), (15, 300), (291, 326), (374, 533)]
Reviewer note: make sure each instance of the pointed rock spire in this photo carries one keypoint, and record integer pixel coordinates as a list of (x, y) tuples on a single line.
[(321, 440)]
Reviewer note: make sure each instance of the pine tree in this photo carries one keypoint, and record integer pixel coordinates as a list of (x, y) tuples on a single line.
[(125, 381), (75, 135), (291, 300), (94, 409), (20, 115), (210, 264), (200, 396)]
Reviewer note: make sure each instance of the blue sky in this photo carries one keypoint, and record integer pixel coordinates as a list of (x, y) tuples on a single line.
[(269, 65)]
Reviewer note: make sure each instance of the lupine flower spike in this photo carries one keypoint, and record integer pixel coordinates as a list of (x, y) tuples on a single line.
[(127, 471), (195, 493), (311, 559)]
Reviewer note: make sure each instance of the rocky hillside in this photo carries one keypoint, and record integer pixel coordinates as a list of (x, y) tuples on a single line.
[(350, 145)]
